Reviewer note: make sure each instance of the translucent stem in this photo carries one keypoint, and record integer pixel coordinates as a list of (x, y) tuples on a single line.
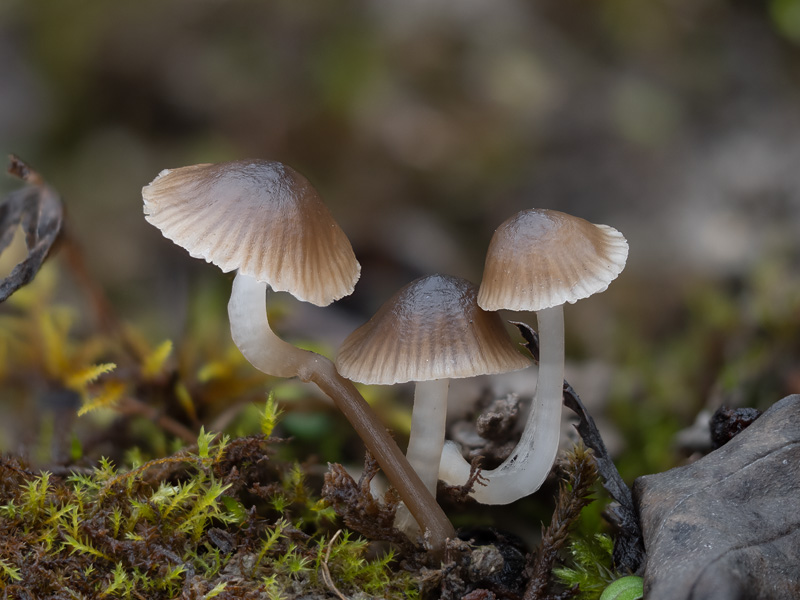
[(268, 353), (252, 334), (425, 441), (525, 470), (427, 430)]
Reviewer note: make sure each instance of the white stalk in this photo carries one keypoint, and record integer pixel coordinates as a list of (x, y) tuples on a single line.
[(427, 430), (252, 334), (425, 441), (525, 470)]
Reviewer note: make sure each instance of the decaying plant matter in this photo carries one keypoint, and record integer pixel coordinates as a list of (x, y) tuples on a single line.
[(37, 208), (360, 510)]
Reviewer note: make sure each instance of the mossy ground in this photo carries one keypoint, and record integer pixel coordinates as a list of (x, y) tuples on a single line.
[(218, 520)]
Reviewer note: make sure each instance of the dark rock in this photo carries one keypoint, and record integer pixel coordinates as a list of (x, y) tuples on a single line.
[(727, 527)]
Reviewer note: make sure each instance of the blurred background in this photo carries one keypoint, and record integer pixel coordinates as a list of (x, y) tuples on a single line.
[(425, 125)]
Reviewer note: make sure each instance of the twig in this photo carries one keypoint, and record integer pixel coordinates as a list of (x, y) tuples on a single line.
[(132, 406), (326, 573), (101, 306), (19, 168)]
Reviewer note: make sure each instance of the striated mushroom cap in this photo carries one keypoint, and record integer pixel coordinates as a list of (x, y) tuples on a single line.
[(261, 217), (430, 329), (542, 258)]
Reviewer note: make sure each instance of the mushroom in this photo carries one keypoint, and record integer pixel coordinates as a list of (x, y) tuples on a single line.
[(266, 221), (538, 260), (430, 331)]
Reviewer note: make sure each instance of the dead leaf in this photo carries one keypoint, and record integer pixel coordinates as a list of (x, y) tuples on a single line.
[(728, 525), (37, 208)]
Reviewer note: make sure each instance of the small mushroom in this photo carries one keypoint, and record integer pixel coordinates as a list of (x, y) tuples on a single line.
[(538, 260), (430, 331), (266, 221)]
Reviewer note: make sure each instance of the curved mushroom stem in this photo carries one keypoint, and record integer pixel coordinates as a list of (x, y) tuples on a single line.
[(268, 353), (525, 470), (252, 334)]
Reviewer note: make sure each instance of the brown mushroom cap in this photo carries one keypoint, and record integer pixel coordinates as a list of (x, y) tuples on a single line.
[(260, 217), (542, 258), (430, 329)]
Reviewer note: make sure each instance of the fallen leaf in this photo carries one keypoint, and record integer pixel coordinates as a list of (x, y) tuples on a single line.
[(728, 525), (37, 208)]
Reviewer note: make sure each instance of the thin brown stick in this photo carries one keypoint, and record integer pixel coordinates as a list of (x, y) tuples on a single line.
[(19, 168), (76, 262), (409, 486), (326, 574), (133, 407)]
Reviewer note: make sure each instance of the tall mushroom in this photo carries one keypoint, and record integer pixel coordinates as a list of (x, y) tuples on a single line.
[(430, 331), (538, 260), (265, 220)]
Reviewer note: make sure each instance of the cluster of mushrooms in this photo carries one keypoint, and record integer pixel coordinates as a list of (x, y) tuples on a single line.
[(265, 221)]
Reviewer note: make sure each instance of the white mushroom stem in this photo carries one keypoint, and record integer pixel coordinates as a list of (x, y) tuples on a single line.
[(252, 334), (427, 430), (525, 470), (267, 352), (425, 442)]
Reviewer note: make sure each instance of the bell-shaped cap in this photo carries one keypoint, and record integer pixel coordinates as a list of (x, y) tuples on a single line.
[(431, 329), (261, 217), (542, 258)]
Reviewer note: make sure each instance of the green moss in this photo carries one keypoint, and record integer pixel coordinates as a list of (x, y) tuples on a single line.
[(589, 566), (211, 520)]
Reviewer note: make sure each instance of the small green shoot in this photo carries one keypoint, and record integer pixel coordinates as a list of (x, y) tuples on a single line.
[(590, 566)]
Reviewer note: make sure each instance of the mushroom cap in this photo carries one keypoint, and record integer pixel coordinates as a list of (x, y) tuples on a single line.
[(431, 329), (258, 216), (542, 258)]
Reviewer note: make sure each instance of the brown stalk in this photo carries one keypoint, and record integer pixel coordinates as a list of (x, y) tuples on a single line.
[(382, 446), (132, 406), (326, 574)]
